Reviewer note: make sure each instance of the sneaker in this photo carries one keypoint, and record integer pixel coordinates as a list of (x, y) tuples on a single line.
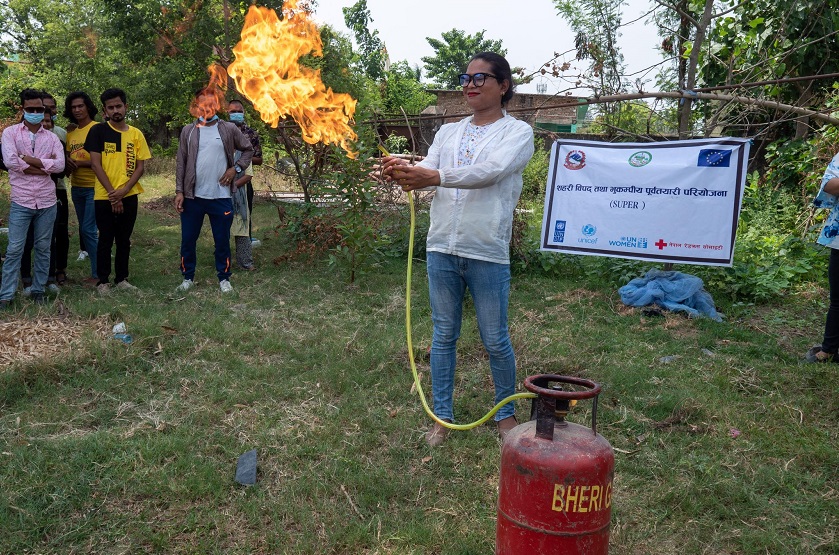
[(505, 426), (103, 289), (225, 286), (27, 291), (82, 256), (436, 435), (186, 285), (5, 305), (255, 242), (125, 286), (53, 288), (38, 298)]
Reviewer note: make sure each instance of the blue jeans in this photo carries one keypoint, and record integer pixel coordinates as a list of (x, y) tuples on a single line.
[(220, 213), (489, 284), (86, 214), (20, 218)]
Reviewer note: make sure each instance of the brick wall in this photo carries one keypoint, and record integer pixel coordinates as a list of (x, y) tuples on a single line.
[(524, 106)]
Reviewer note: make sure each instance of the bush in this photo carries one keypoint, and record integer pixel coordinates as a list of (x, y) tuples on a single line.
[(535, 175)]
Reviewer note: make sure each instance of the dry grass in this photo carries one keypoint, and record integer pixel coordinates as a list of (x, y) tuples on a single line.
[(26, 339)]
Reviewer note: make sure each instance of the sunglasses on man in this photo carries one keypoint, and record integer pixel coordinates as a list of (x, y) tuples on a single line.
[(34, 109)]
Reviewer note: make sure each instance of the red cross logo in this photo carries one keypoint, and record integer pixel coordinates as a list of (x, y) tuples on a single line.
[(661, 243)]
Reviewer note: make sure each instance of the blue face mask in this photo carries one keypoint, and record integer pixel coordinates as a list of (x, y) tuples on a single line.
[(33, 118), (237, 117), (202, 120)]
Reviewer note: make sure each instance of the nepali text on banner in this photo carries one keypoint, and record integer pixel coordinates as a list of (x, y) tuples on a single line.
[(675, 201)]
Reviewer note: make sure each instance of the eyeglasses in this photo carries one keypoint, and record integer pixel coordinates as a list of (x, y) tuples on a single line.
[(478, 79), (34, 109)]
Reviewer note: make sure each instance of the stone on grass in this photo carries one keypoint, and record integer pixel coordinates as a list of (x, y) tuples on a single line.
[(246, 468)]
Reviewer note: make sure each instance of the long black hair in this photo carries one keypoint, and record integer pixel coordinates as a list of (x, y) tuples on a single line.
[(501, 70), (92, 110)]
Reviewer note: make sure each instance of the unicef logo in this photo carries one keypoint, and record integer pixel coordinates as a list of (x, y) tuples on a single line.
[(589, 230), (640, 159)]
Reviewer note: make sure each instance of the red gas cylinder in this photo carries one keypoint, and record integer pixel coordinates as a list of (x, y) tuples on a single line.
[(555, 494)]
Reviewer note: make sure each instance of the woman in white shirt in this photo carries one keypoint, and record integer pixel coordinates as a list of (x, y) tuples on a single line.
[(476, 165)]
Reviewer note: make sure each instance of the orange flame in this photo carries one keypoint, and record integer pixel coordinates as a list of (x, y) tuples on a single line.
[(211, 98), (267, 72)]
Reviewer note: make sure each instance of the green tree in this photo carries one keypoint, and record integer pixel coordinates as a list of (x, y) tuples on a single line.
[(144, 46), (596, 24), (763, 40), (452, 55), (731, 44), (372, 55), (403, 90), (633, 118)]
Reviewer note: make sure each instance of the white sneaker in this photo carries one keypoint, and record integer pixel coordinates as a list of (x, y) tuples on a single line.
[(186, 285), (225, 286), (125, 286), (255, 242), (27, 291), (103, 289), (52, 288), (82, 256)]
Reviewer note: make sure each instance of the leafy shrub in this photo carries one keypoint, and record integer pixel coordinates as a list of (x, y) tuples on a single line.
[(535, 175), (356, 223), (397, 144)]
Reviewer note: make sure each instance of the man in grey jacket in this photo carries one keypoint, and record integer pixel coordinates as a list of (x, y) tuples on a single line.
[(205, 178)]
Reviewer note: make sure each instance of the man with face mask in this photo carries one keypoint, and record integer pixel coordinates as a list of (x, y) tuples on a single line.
[(205, 180), (60, 233), (236, 112), (242, 229), (31, 153)]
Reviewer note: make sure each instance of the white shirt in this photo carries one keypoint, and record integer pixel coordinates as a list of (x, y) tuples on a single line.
[(478, 224), (210, 164)]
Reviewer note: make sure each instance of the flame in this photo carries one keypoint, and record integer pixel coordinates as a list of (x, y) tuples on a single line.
[(267, 72), (211, 98)]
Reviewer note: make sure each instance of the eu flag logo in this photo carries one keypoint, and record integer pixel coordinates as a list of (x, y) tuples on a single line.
[(714, 158)]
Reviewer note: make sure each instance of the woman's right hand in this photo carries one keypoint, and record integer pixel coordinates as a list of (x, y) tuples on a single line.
[(388, 164)]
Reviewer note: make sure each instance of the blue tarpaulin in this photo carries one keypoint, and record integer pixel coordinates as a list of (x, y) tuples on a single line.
[(674, 291)]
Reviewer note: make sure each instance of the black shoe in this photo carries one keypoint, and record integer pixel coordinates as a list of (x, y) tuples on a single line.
[(5, 305), (38, 298)]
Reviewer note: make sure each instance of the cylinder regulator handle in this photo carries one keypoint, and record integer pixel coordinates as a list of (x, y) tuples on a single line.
[(539, 385), (546, 404)]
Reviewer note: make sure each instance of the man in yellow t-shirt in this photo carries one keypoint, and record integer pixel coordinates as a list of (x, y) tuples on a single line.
[(80, 110), (117, 154)]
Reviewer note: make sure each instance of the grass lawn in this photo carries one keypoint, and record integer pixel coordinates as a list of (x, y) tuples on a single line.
[(107, 447)]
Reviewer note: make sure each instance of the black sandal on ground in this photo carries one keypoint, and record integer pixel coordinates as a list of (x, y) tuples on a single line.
[(60, 278), (815, 354)]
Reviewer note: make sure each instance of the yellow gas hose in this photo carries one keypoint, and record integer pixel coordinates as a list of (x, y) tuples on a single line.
[(428, 410)]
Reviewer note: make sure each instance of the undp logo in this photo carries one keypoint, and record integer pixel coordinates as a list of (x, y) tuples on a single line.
[(589, 230), (559, 231)]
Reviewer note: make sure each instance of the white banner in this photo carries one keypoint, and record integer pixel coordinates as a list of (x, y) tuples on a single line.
[(675, 201)]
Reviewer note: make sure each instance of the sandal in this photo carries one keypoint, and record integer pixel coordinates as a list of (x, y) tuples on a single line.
[(60, 278), (815, 354)]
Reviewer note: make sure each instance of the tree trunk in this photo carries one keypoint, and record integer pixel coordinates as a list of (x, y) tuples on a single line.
[(802, 124), (693, 62)]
